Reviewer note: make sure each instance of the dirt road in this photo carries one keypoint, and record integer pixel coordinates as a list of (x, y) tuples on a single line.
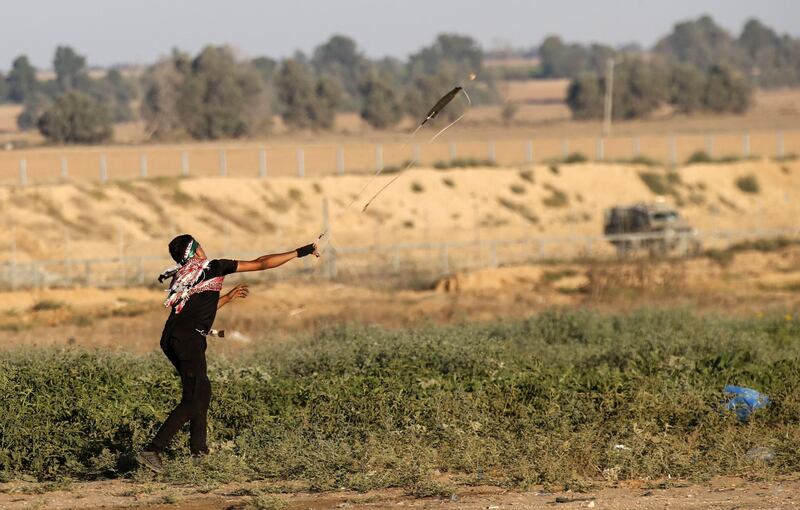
[(719, 493)]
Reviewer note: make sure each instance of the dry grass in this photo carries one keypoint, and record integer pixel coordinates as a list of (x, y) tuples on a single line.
[(535, 91)]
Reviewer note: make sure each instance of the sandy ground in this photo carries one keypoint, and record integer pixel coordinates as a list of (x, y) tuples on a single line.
[(131, 319), (719, 493), (237, 216)]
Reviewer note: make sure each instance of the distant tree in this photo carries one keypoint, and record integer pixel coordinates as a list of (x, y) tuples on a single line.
[(329, 95), (76, 118), (585, 97), (162, 88), (266, 68), (3, 89), (560, 60), (773, 60), (116, 92), (726, 91), (639, 89), (686, 88), (35, 106), (382, 108), (21, 80), (297, 94), (424, 91), (70, 69), (450, 54), (216, 96), (340, 59), (701, 43)]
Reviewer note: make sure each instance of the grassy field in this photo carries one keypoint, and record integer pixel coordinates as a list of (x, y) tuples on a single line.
[(538, 401)]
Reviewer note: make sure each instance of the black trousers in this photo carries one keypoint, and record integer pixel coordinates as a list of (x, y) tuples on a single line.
[(188, 354)]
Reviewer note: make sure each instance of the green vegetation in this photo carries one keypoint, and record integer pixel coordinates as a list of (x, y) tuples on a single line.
[(640, 87), (575, 157), (639, 160), (556, 198), (47, 304), (527, 175), (748, 184), (543, 400), (699, 157), (463, 163), (76, 118), (725, 256), (382, 107), (554, 276), (661, 183), (520, 209)]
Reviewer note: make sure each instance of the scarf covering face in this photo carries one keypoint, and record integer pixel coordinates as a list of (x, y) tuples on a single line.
[(185, 283)]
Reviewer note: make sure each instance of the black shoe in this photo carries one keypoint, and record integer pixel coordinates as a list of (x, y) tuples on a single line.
[(151, 460)]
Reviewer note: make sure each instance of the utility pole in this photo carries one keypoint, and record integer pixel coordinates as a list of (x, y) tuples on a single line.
[(609, 97)]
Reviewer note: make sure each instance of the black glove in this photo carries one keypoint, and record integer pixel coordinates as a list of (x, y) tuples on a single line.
[(306, 250)]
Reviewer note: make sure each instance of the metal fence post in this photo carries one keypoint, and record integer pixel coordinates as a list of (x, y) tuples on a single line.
[(301, 163), (491, 153), (340, 160), (262, 162), (378, 157), (416, 155), (600, 149), (103, 169), (143, 165), (779, 142), (746, 145), (184, 163), (529, 152), (453, 151), (223, 163), (637, 147), (710, 144), (564, 148), (23, 172), (64, 169)]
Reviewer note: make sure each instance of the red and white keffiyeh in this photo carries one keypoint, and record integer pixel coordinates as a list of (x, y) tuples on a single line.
[(187, 282)]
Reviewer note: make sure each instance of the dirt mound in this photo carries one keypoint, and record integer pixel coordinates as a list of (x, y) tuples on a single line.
[(233, 215)]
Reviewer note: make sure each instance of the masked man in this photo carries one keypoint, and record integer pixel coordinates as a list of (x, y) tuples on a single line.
[(194, 298)]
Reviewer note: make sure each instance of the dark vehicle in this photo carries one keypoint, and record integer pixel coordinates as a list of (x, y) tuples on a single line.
[(660, 229)]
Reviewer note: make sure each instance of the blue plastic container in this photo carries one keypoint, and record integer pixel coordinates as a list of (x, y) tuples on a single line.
[(744, 401)]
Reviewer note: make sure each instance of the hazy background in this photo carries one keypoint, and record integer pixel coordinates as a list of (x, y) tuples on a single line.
[(138, 32)]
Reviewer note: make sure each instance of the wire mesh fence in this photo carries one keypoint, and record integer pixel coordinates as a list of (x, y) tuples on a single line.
[(101, 164), (406, 265)]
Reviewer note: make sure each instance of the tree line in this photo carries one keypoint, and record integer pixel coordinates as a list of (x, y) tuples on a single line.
[(215, 94), (699, 66)]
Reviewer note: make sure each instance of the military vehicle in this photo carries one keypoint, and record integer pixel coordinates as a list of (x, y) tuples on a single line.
[(660, 227)]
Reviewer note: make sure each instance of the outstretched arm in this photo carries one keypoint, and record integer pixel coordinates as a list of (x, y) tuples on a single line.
[(276, 259)]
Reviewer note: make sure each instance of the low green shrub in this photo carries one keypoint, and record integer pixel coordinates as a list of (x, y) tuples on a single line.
[(543, 400)]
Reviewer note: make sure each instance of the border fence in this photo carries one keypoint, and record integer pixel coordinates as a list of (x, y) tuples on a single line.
[(403, 264), (101, 164)]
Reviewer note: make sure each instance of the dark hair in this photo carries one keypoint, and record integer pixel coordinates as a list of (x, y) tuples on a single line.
[(177, 247)]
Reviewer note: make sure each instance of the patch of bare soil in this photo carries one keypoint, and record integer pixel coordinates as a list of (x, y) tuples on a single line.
[(727, 493), (748, 282)]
